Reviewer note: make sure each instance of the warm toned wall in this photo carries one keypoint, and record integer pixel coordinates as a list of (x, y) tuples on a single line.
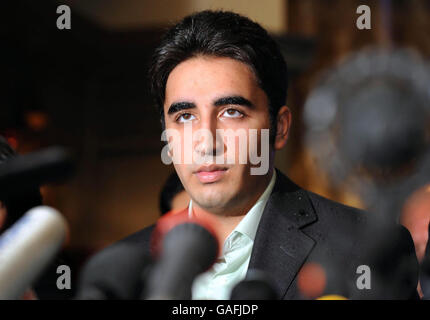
[(132, 14)]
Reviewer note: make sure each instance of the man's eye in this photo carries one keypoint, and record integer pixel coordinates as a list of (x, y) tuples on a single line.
[(232, 113), (185, 117)]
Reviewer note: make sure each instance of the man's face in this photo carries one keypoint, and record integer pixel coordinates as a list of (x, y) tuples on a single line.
[(217, 93)]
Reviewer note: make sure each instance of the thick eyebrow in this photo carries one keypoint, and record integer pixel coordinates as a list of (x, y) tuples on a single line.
[(178, 106), (237, 100), (223, 101)]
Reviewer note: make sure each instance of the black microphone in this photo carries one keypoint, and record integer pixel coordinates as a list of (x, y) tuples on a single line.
[(33, 169), (116, 273), (425, 271), (255, 286), (187, 250)]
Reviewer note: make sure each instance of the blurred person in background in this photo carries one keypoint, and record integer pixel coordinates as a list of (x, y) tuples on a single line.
[(416, 218), (173, 195), (12, 208)]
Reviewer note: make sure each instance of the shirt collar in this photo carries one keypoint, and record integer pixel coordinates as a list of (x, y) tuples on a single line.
[(249, 224)]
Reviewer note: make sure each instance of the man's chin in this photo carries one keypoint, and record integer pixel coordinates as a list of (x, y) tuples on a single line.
[(212, 203)]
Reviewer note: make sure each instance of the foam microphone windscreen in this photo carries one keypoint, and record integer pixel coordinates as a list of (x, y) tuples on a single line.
[(116, 273), (184, 247), (256, 286)]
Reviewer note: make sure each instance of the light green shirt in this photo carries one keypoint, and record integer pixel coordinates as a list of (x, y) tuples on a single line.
[(231, 267)]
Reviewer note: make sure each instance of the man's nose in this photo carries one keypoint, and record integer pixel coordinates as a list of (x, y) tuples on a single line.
[(207, 143)]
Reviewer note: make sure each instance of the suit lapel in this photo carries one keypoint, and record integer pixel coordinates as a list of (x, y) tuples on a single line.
[(280, 247)]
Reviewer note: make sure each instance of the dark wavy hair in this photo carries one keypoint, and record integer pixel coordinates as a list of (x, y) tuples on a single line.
[(222, 34), (17, 204)]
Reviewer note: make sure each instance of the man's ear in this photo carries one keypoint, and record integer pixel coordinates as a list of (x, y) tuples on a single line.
[(283, 124)]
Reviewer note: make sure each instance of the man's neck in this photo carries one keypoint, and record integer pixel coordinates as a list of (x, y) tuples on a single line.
[(225, 223)]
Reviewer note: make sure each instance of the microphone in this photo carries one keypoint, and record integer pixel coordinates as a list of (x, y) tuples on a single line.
[(186, 250), (48, 165), (117, 273), (255, 286), (312, 280), (26, 249)]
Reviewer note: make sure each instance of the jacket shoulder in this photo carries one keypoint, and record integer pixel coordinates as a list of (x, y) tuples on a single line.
[(351, 233), (329, 209), (141, 237)]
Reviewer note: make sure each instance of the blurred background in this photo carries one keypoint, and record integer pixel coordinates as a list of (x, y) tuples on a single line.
[(86, 88)]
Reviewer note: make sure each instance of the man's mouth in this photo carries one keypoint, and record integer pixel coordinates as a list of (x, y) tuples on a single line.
[(210, 174)]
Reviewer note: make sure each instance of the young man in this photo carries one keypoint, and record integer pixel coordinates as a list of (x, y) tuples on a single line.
[(218, 71)]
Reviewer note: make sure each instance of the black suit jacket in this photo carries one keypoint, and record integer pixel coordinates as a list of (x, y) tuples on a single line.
[(298, 226)]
